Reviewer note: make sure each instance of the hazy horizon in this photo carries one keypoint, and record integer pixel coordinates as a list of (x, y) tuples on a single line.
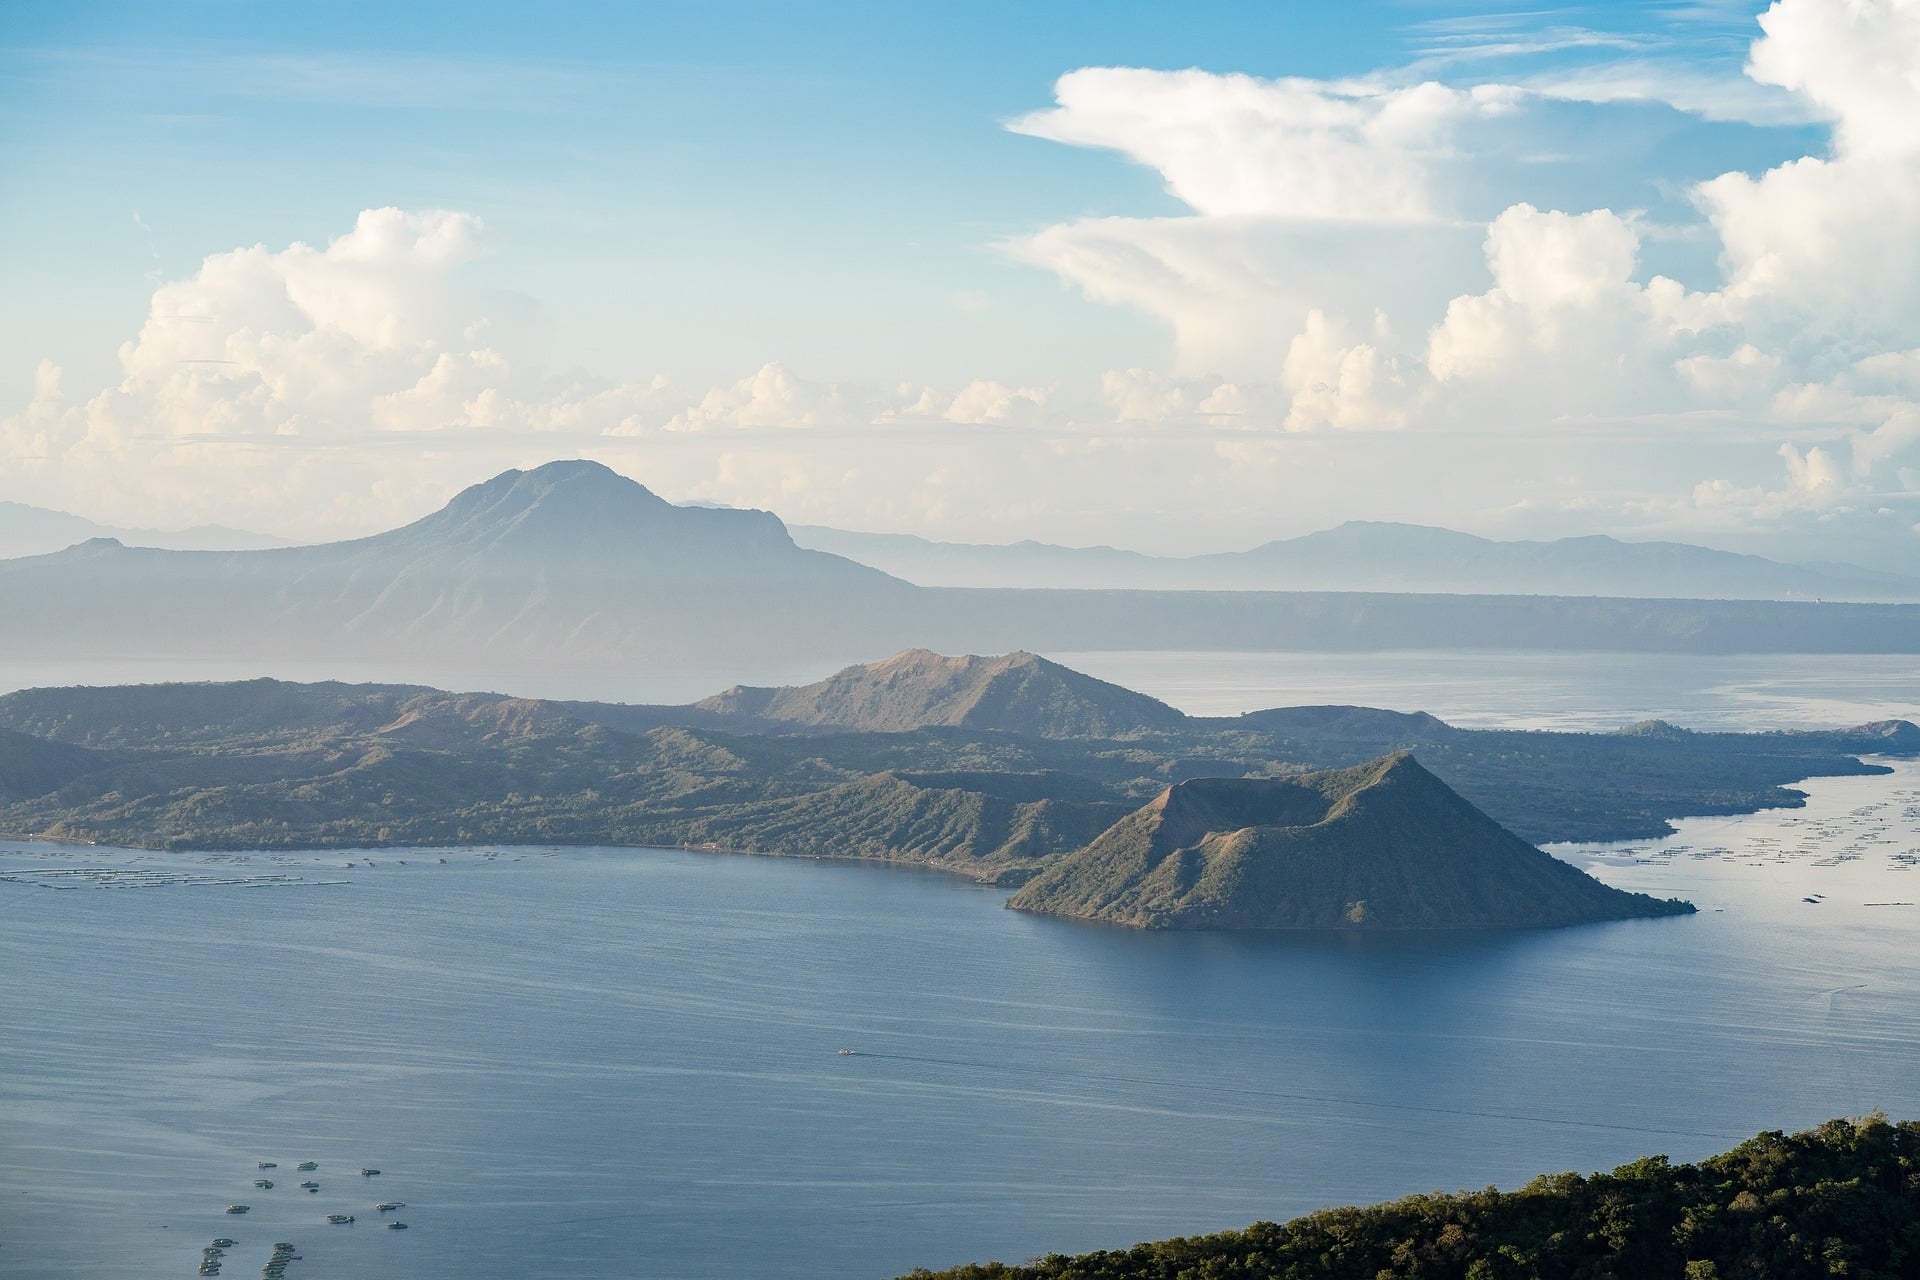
[(1179, 282)]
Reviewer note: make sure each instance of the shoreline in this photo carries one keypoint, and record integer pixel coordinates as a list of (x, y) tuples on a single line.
[(995, 880)]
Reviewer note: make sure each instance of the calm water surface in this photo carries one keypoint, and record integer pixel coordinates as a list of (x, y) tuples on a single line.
[(1578, 691), (1476, 689), (601, 1062)]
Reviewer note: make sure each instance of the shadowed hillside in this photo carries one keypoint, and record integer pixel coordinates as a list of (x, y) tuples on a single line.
[(993, 767), (1384, 845), (1013, 693)]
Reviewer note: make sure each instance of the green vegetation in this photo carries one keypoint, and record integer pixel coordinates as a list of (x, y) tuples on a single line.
[(1839, 1200), (1384, 845), (998, 767), (1013, 693)]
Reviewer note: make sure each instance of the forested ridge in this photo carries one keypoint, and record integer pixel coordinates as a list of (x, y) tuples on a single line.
[(1839, 1200)]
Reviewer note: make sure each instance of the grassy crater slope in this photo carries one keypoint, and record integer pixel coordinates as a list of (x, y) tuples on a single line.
[(1011, 693), (995, 766), (1383, 845), (1839, 1200)]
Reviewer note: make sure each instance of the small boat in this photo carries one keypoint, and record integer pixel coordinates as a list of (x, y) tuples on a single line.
[(278, 1248), (309, 1186), (369, 1173), (265, 1184), (268, 1164), (238, 1208), (223, 1243), (307, 1166), (388, 1206), (396, 1226), (340, 1219)]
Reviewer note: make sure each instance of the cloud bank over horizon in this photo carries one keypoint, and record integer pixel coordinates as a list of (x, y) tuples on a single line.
[(1380, 300)]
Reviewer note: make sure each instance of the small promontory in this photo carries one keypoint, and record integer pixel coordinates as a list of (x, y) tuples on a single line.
[(1383, 845)]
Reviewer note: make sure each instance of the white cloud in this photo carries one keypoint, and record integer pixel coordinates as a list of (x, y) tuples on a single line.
[(1554, 276), (1888, 441), (1237, 146), (1709, 95), (1736, 378), (1830, 242), (1335, 381), (1358, 256), (772, 397), (1856, 60), (987, 401), (1818, 303)]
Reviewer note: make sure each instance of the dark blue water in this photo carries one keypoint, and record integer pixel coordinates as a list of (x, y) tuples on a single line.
[(624, 1063)]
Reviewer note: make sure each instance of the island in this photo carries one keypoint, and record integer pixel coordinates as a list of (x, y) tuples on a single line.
[(1000, 768), (1382, 845)]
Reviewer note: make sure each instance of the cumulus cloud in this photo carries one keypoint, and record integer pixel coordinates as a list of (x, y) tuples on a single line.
[(772, 397), (1389, 254), (1334, 381), (1825, 247), (1235, 145), (1810, 324)]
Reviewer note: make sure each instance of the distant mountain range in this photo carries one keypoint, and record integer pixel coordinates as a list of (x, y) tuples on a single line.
[(572, 565), (38, 531), (569, 561), (1364, 555)]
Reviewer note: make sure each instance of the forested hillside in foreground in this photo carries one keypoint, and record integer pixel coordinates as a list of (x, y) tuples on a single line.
[(1839, 1200)]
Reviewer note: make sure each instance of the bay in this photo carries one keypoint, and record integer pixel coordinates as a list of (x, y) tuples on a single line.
[(626, 1062), (622, 1062)]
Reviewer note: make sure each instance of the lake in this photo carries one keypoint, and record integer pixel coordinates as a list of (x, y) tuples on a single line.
[(625, 1063), (1524, 690), (1508, 688)]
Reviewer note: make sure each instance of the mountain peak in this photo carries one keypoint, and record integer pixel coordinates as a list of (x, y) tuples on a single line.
[(588, 517), (1017, 692), (1381, 845)]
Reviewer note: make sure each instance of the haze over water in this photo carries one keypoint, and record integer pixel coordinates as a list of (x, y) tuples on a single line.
[(624, 1062), (1473, 689)]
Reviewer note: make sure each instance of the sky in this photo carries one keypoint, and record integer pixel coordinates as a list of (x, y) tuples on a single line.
[(1173, 277)]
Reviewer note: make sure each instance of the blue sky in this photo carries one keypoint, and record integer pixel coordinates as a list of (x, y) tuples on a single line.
[(766, 166), (692, 193)]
